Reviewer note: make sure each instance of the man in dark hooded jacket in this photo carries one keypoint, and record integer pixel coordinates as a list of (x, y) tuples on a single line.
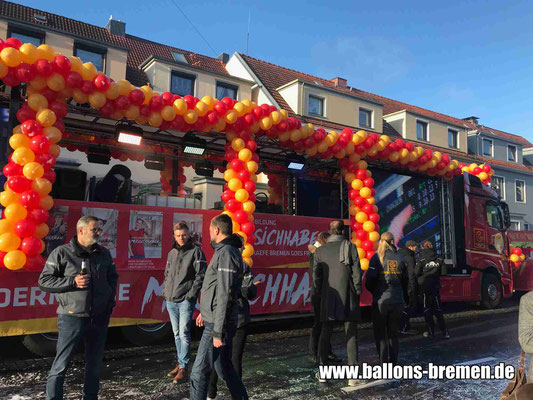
[(408, 254), (338, 280), (218, 312), (429, 268)]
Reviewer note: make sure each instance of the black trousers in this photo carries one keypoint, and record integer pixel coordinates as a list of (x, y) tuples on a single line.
[(316, 328), (324, 347), (386, 323), (409, 311), (239, 340), (432, 307)]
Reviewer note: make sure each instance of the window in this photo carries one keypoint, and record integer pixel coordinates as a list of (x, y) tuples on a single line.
[(365, 118), (498, 183), (182, 84), (179, 57), (27, 36), (515, 225), (422, 130), (226, 90), (526, 226), (92, 55), (511, 153), (315, 106), (488, 148), (453, 137), (494, 217), (520, 191)]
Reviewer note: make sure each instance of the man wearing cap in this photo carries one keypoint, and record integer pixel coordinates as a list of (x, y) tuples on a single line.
[(408, 254)]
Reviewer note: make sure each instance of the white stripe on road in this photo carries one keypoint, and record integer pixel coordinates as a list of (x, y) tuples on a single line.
[(478, 361), (380, 382)]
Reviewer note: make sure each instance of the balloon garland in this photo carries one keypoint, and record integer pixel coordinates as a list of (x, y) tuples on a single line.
[(517, 257), (52, 79)]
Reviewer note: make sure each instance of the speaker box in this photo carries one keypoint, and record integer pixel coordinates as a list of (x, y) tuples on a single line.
[(70, 184)]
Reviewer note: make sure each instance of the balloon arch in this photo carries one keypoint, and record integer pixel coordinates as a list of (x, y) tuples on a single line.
[(53, 79)]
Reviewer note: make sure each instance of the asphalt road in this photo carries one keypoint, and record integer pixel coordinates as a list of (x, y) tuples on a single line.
[(275, 366)]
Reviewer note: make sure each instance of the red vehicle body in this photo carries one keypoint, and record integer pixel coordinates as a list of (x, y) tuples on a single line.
[(476, 244)]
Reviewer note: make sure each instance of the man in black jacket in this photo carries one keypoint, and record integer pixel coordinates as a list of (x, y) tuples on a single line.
[(218, 312), (338, 280), (84, 275), (408, 254), (184, 275), (429, 268)]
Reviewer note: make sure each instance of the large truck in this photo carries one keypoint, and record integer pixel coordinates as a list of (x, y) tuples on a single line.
[(464, 218)]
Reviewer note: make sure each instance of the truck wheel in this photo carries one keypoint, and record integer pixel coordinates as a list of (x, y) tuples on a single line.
[(147, 334), (491, 291), (41, 344)]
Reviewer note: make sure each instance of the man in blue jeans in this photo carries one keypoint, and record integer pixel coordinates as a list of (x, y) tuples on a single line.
[(218, 312), (184, 275), (85, 278)]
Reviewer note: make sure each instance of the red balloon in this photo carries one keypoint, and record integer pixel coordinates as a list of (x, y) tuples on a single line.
[(101, 82), (40, 144), (368, 209), (374, 217), (60, 125), (11, 78), (25, 227), (60, 109), (212, 117), (250, 186), (178, 123), (251, 145), (31, 128), (39, 215), (477, 171), (368, 182), (244, 175), (2, 255), (46, 160), (25, 73), (361, 174), (18, 184), (248, 228), (227, 195), (236, 165), (25, 113), (136, 97), (61, 64), (190, 101), (221, 108), (252, 198), (361, 234), (233, 205), (30, 199), (251, 239), (31, 246), (241, 216), (13, 42), (156, 103), (359, 201), (74, 80), (107, 109), (43, 68), (517, 251), (517, 264), (486, 168), (87, 87), (50, 175), (34, 263), (12, 169), (168, 98), (367, 245)]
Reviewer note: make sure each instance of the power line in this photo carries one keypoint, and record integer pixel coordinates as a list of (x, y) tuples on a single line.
[(195, 28)]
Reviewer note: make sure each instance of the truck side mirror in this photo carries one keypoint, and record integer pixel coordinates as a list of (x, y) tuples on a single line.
[(506, 215)]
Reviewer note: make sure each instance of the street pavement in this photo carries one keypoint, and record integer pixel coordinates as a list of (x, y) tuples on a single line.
[(275, 366)]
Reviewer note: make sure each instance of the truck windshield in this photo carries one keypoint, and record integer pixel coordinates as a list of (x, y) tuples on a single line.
[(494, 216)]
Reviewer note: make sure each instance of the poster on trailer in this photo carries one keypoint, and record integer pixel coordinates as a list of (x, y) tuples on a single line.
[(58, 223), (195, 224), (109, 219), (145, 234)]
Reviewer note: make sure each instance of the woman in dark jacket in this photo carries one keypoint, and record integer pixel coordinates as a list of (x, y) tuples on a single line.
[(428, 269), (386, 274), (248, 292)]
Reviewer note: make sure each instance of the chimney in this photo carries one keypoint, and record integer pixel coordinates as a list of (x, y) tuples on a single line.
[(340, 82), (116, 27), (224, 57), (473, 120)]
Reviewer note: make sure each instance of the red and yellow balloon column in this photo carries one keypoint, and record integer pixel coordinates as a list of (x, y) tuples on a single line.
[(517, 257)]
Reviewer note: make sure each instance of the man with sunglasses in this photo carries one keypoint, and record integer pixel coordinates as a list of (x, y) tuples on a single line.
[(84, 276)]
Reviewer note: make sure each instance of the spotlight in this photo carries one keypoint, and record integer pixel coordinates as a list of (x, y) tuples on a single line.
[(129, 134), (154, 162), (193, 144), (204, 168), (98, 155), (295, 162)]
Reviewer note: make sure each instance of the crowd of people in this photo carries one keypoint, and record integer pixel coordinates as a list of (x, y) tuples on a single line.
[(84, 276)]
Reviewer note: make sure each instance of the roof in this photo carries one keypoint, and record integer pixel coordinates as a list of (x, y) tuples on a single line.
[(138, 49), (505, 135)]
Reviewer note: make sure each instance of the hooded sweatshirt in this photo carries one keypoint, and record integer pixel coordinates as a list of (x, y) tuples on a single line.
[(429, 268), (222, 285), (386, 281)]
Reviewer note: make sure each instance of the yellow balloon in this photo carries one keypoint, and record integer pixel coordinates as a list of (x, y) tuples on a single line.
[(234, 184), (41, 231), (132, 112), (28, 53), (240, 109), (46, 202), (265, 123), (33, 170), (113, 92), (10, 57), (361, 252), (42, 186), (124, 87), (46, 117), (357, 184), (9, 241), (37, 102), (483, 176), (242, 195), (209, 102), (88, 71), (56, 82), (14, 260), (248, 250), (79, 96), (295, 135), (97, 99), (229, 174), (364, 264), (236, 227), (168, 113), (19, 140), (201, 108), (373, 236), (46, 52), (8, 197), (5, 226), (248, 206), (180, 106), (249, 261), (245, 155), (190, 117), (349, 178), (148, 93), (237, 144), (252, 167), (515, 258), (365, 192), (361, 217), (23, 155), (276, 117), (369, 226), (15, 212), (4, 70)]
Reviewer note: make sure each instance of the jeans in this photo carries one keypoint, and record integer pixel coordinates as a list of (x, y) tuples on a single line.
[(209, 356), (72, 330), (239, 340), (324, 347), (432, 307), (180, 318), (386, 323)]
